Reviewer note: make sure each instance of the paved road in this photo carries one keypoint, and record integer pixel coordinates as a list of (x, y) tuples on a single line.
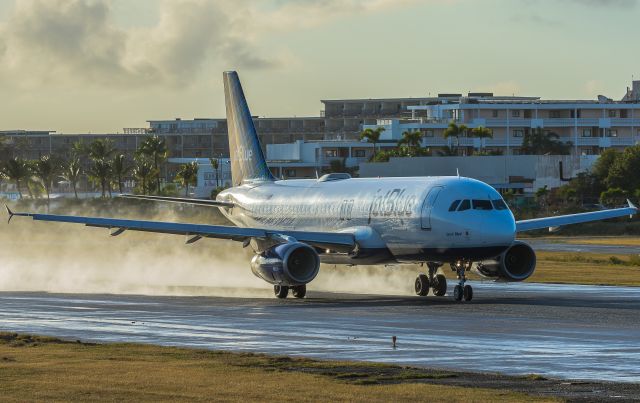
[(577, 332)]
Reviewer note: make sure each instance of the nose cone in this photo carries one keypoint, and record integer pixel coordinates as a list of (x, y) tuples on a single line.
[(499, 230)]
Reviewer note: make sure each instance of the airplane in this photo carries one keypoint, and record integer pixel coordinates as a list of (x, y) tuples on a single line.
[(295, 225)]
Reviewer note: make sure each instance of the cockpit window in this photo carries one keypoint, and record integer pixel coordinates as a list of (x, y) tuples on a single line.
[(454, 205), (499, 204), (482, 205), (465, 205)]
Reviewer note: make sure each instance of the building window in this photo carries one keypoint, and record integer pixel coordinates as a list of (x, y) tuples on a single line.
[(330, 153), (586, 132), (427, 133), (518, 133), (515, 114), (554, 114), (290, 173), (359, 153), (494, 113), (611, 133), (613, 113)]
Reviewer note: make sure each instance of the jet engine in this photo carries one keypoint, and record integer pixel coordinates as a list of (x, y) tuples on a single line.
[(515, 264), (288, 264)]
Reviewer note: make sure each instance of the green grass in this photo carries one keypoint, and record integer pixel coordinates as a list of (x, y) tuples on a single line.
[(48, 369)]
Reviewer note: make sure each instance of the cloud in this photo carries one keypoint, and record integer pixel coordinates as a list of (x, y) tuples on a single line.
[(63, 41)]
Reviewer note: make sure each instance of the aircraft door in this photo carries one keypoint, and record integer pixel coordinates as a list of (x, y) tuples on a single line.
[(427, 206)]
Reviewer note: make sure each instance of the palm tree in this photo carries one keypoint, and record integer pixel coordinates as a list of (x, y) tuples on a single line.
[(46, 169), (188, 175), (120, 169), (143, 172), (411, 139), (100, 149), (16, 170), (540, 142), (482, 133), (455, 131), (372, 136), (72, 172), (101, 172), (156, 149), (215, 165)]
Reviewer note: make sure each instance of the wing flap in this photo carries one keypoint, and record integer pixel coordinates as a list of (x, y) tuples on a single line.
[(558, 221), (183, 200)]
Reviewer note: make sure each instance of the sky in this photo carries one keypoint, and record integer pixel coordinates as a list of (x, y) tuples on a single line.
[(78, 66)]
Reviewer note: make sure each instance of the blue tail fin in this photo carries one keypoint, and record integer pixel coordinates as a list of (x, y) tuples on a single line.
[(247, 160)]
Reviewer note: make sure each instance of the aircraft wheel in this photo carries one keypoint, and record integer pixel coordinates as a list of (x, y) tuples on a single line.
[(299, 291), (439, 285), (468, 293), (457, 293), (422, 285), (281, 291)]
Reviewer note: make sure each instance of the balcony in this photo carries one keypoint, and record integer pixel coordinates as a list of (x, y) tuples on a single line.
[(564, 122)]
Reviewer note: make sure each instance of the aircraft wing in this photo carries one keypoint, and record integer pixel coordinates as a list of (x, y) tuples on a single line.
[(184, 200), (326, 240), (558, 221)]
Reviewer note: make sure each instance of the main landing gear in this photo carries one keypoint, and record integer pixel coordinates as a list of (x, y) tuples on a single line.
[(282, 291), (438, 283), (434, 280)]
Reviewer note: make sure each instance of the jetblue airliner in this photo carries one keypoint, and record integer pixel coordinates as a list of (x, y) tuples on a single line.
[(295, 225)]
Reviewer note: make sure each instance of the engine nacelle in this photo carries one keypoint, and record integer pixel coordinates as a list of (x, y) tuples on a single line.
[(290, 264), (515, 264)]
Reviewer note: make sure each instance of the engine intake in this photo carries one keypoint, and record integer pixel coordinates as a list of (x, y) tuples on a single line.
[(290, 264), (515, 264)]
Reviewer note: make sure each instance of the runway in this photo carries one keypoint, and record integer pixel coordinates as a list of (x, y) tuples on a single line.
[(573, 332)]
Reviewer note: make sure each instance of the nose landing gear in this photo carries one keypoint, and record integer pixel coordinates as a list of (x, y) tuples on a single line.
[(462, 290)]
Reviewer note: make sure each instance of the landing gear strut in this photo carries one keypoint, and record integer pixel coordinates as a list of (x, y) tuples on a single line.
[(462, 290)]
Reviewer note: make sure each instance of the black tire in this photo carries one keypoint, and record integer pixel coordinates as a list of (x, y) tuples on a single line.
[(281, 291), (457, 292), (468, 293), (422, 285), (439, 285), (299, 291)]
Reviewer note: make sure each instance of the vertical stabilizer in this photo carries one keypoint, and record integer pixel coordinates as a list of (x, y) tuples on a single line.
[(247, 160)]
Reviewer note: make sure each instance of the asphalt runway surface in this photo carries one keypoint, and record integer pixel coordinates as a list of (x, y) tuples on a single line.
[(561, 331)]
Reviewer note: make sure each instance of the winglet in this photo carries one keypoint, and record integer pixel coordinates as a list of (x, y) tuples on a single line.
[(632, 205), (11, 214)]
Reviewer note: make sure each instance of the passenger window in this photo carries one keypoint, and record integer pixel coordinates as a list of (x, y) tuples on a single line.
[(465, 205), (499, 204), (454, 205)]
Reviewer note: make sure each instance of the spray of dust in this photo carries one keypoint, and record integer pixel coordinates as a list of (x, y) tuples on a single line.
[(54, 257)]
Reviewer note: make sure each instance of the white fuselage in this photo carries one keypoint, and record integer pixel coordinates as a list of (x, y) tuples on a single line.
[(395, 219)]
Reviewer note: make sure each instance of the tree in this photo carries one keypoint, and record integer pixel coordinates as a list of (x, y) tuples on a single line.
[(156, 149), (455, 131), (372, 136), (603, 164), (100, 172), (16, 170), (447, 151), (215, 165), (623, 172), (121, 168), (188, 175), (143, 172), (541, 197), (100, 149), (412, 139), (541, 142), (46, 169), (613, 196), (481, 133), (72, 172)]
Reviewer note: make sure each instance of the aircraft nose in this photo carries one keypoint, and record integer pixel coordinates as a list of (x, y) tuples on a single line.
[(499, 231)]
